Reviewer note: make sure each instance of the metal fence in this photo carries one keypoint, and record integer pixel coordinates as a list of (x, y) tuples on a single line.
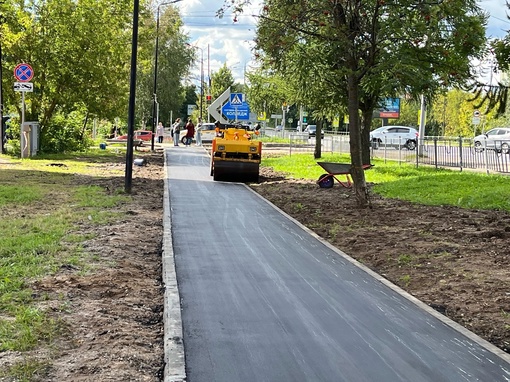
[(447, 152)]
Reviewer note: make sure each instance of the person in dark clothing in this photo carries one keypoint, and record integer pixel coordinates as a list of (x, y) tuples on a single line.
[(190, 133)]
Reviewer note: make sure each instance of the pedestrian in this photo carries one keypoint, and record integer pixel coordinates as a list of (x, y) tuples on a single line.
[(160, 132), (114, 132), (176, 129), (199, 133), (190, 132)]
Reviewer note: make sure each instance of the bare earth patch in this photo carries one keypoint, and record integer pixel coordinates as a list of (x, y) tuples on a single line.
[(111, 314), (452, 259)]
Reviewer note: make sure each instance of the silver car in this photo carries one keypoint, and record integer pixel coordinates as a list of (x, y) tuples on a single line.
[(496, 139), (399, 136)]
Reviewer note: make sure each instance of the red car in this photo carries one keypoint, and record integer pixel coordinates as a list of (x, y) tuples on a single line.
[(144, 135)]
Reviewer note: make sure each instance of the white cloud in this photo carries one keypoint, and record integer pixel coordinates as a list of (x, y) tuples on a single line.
[(227, 41)]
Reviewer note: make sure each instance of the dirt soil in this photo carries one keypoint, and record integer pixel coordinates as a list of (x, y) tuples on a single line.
[(455, 260)]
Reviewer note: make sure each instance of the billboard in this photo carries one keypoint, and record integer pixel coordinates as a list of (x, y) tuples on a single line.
[(390, 108)]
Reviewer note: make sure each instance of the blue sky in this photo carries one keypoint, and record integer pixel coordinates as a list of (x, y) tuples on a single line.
[(231, 42), (498, 21), (226, 41)]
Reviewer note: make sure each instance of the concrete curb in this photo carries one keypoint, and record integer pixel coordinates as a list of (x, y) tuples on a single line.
[(175, 370)]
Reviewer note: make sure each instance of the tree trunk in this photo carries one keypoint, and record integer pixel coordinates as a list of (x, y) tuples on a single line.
[(82, 134), (318, 141), (357, 172), (365, 136)]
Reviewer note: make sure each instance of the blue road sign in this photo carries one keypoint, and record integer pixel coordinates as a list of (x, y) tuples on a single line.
[(23, 72), (237, 99), (236, 112)]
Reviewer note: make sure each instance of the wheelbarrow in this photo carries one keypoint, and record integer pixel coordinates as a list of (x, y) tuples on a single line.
[(328, 180)]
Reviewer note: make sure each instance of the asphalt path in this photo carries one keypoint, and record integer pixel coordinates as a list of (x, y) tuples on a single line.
[(264, 299)]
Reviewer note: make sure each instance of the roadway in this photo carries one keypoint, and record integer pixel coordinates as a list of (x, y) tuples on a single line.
[(264, 299)]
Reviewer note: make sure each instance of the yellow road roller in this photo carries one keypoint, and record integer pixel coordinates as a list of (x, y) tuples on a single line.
[(236, 154)]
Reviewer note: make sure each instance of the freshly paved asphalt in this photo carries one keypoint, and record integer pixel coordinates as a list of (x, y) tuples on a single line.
[(264, 299)]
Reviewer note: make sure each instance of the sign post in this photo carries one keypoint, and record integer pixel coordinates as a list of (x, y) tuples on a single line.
[(23, 73)]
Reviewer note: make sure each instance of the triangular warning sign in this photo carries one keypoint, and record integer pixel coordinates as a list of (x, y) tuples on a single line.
[(236, 100)]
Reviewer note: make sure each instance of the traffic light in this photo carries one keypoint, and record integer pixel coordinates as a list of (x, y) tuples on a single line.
[(305, 119), (208, 98)]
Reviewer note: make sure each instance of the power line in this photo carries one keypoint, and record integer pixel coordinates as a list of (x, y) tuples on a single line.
[(500, 19)]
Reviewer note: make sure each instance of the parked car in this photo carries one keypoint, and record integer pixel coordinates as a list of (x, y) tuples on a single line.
[(312, 131), (401, 136), (144, 135), (496, 139)]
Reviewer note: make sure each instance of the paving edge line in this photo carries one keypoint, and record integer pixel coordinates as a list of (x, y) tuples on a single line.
[(447, 321), (175, 368)]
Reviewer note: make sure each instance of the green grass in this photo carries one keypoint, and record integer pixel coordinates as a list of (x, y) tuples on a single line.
[(424, 185), (25, 371), (41, 208)]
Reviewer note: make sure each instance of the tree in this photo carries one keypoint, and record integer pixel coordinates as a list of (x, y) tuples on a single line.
[(359, 51), (174, 62), (190, 98), (222, 80), (76, 68), (80, 52), (267, 92)]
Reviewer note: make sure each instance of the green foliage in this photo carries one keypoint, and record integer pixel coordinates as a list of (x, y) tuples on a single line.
[(174, 62), (221, 81), (268, 91), (344, 57), (408, 114), (312, 47), (78, 69), (65, 133)]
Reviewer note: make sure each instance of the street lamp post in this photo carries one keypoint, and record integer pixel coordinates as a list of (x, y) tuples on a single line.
[(154, 109), (131, 106), (201, 84), (201, 79)]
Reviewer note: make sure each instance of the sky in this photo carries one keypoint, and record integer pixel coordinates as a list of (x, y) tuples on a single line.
[(220, 40), (225, 41)]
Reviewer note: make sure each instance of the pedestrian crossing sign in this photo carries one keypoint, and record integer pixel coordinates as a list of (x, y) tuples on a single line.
[(236, 99)]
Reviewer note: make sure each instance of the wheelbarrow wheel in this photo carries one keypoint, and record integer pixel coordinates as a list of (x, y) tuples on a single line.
[(326, 181)]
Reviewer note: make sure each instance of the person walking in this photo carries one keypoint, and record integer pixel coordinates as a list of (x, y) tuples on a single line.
[(176, 129), (199, 133), (190, 133), (160, 132)]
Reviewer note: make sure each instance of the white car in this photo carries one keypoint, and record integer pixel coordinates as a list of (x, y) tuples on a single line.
[(496, 139), (207, 133), (400, 136)]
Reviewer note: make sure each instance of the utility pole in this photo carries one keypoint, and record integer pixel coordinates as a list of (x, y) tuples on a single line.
[(421, 131)]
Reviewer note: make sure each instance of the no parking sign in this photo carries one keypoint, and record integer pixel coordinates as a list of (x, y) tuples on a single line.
[(23, 72)]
